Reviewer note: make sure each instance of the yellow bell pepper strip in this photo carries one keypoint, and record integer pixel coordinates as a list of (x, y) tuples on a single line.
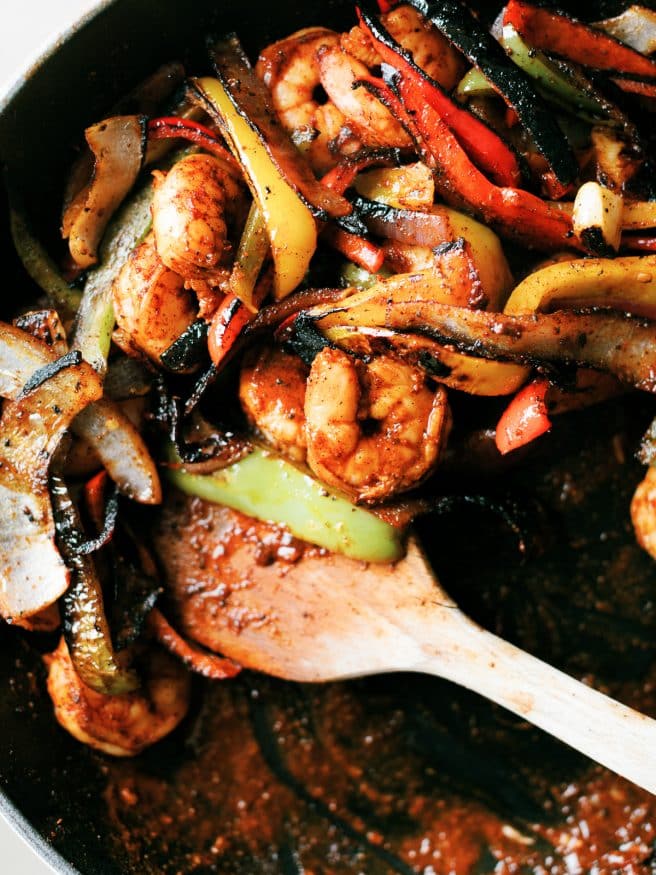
[(252, 100), (451, 281), (627, 284), (637, 215), (270, 488), (410, 187), (291, 227), (437, 225)]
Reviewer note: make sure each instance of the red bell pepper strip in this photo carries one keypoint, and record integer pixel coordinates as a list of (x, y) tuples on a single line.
[(553, 32), (385, 6), (638, 243), (483, 145), (172, 127), (94, 497), (524, 419), (199, 660), (518, 213), (636, 86), (342, 176), (357, 249), (230, 319)]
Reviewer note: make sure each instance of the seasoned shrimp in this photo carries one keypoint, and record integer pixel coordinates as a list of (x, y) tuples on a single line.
[(643, 512), (373, 429), (290, 69), (272, 394), (119, 725), (189, 222), (152, 306), (369, 119), (429, 49)]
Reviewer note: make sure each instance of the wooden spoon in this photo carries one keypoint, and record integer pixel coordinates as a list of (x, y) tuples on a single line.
[(328, 618)]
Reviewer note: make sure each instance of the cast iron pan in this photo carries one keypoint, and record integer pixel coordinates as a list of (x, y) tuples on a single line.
[(377, 776)]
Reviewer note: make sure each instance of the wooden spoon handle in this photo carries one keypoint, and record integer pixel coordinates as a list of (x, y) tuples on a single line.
[(594, 724)]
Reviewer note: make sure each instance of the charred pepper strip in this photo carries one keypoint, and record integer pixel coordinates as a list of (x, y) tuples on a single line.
[(252, 100), (483, 145), (173, 127), (515, 212), (553, 32), (85, 624), (291, 227), (466, 33)]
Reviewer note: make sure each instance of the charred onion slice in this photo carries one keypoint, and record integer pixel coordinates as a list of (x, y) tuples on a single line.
[(118, 145), (32, 574), (252, 99), (622, 345), (86, 628), (118, 443)]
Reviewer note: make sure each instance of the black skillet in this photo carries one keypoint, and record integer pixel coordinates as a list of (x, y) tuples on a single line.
[(323, 795)]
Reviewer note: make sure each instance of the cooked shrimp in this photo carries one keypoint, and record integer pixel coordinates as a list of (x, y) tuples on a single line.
[(272, 393), (369, 119), (429, 49), (189, 209), (643, 512), (119, 725), (152, 306), (290, 69), (372, 429)]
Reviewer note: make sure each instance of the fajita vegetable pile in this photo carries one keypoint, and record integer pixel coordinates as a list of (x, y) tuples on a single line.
[(286, 288)]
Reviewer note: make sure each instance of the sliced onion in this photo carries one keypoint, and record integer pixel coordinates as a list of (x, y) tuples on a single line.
[(111, 434), (32, 572), (622, 345), (118, 145), (121, 450)]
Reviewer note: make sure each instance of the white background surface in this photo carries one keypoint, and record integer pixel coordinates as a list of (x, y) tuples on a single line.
[(28, 26)]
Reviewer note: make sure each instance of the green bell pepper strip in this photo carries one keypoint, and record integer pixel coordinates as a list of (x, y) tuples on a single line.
[(95, 321), (40, 266), (552, 80), (85, 624), (267, 487), (551, 83)]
